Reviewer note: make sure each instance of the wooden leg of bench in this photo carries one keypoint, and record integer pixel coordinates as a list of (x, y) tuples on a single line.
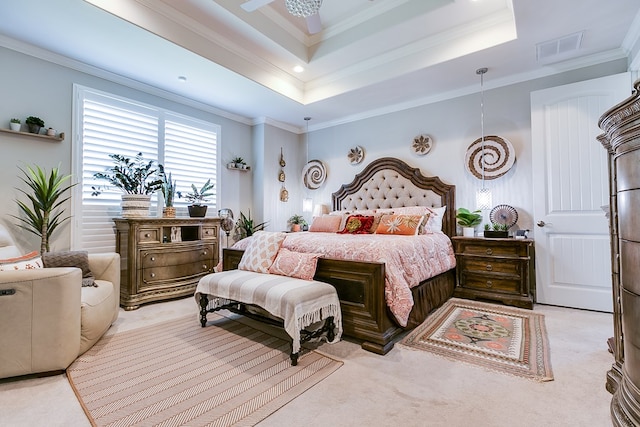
[(204, 301)]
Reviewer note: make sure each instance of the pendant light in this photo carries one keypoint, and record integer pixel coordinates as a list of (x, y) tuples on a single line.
[(483, 194), (307, 202)]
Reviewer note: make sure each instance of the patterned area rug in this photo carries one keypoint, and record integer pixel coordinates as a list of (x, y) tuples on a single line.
[(498, 337), (176, 373)]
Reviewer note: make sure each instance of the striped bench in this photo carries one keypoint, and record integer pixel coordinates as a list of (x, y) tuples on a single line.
[(298, 303)]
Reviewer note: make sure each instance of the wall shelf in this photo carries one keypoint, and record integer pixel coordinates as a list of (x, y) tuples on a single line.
[(233, 168), (59, 137)]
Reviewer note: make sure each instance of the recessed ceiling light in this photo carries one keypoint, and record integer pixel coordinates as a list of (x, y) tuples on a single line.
[(182, 79), (298, 69)]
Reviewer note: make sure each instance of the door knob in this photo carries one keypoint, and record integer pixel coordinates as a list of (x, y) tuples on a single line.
[(541, 224)]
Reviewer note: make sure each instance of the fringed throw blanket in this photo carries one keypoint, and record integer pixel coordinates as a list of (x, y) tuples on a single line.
[(299, 303)]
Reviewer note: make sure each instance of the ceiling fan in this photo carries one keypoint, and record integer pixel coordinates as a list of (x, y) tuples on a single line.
[(307, 9)]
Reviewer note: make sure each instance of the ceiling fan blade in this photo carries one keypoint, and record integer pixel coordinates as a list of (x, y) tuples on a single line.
[(314, 24), (252, 5)]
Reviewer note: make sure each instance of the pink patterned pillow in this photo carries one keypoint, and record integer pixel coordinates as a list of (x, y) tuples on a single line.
[(261, 251), (295, 264), (30, 261), (326, 223)]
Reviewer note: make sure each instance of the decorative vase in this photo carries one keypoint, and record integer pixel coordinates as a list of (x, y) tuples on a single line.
[(34, 128), (197, 211), (135, 205), (51, 132), (295, 227), (468, 231), (169, 212), (15, 126)]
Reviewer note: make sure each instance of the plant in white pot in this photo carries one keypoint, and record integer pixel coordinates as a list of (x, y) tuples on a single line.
[(137, 178), (197, 197), (15, 124), (468, 221)]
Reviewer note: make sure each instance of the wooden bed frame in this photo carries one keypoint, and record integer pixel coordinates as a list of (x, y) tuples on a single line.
[(361, 285)]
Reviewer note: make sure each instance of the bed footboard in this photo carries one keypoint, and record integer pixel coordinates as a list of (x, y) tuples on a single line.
[(360, 288)]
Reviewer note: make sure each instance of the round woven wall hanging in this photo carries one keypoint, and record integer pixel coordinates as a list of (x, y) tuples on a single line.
[(499, 156), (313, 174)]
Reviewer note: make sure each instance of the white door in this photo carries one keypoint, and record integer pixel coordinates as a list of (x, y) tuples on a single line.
[(570, 187)]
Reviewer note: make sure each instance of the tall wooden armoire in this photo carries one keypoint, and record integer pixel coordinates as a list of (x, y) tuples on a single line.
[(621, 138)]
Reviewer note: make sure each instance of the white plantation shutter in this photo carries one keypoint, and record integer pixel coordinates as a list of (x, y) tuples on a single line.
[(107, 124)]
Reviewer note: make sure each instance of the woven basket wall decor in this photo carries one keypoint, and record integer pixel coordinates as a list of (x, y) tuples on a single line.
[(499, 156)]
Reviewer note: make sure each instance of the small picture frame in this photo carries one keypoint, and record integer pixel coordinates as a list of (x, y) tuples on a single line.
[(522, 234)]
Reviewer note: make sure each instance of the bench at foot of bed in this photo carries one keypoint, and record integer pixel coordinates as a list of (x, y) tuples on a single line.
[(299, 303)]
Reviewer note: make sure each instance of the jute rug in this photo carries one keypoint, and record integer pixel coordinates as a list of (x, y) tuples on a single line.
[(176, 373), (498, 337)]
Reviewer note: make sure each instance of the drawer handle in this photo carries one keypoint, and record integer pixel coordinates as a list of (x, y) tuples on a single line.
[(204, 266), (489, 251), (489, 267), (205, 253), (153, 258), (207, 232), (153, 275), (147, 235), (489, 284)]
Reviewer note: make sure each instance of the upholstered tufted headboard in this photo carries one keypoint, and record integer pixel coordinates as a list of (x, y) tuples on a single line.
[(391, 183)]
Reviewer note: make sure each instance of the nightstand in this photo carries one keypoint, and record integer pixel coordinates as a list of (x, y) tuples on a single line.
[(495, 269)]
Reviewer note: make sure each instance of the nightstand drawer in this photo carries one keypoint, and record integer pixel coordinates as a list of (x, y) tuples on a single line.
[(488, 248), (491, 265), (209, 232), (492, 283)]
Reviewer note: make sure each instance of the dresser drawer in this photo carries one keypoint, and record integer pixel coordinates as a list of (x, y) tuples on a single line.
[(168, 275), (512, 267), (491, 283), (209, 232), (176, 256), (488, 248), (149, 235)]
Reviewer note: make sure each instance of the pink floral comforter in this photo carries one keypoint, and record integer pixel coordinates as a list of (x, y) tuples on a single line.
[(408, 259)]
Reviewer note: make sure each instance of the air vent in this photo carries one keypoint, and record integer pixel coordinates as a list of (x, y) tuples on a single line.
[(546, 51)]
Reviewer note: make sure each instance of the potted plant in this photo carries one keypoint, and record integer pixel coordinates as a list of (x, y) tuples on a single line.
[(137, 178), (468, 221), (197, 197), (168, 193), (496, 231), (296, 222), (43, 217), (14, 124), (245, 226), (34, 124), (238, 162)]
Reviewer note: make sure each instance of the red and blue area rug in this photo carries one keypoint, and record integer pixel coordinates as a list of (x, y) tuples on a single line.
[(501, 338)]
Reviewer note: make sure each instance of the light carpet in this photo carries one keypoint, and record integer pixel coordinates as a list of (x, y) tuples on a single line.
[(498, 337), (177, 373)]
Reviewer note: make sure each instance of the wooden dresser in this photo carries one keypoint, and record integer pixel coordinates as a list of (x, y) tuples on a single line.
[(164, 258), (496, 270), (621, 139)]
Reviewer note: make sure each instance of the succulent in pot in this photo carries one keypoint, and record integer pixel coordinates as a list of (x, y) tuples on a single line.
[(34, 124), (198, 197)]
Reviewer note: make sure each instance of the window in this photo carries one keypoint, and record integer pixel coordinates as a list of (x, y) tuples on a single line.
[(106, 124)]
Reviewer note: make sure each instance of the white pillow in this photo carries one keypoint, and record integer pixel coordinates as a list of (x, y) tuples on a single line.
[(261, 251), (30, 261), (435, 220)]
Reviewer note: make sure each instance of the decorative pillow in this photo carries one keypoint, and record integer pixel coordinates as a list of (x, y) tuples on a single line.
[(261, 251), (357, 224), (326, 224), (400, 224), (30, 261), (79, 259), (295, 264), (435, 220)]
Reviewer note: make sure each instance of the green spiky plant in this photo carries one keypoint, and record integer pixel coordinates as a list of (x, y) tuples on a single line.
[(168, 187), (245, 226), (42, 215), (198, 196)]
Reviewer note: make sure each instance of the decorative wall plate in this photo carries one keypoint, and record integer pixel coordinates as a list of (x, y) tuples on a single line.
[(499, 156), (504, 214), (313, 174), (421, 144), (356, 155)]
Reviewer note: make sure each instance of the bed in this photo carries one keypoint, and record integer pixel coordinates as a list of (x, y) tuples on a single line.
[(366, 317)]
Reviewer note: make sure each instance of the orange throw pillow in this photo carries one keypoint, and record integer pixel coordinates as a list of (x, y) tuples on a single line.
[(406, 225)]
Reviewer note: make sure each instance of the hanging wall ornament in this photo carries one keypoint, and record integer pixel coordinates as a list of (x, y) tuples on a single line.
[(356, 155), (498, 155), (314, 174), (421, 144)]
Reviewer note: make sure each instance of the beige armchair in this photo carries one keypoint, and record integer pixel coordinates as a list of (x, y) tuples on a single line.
[(48, 319)]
